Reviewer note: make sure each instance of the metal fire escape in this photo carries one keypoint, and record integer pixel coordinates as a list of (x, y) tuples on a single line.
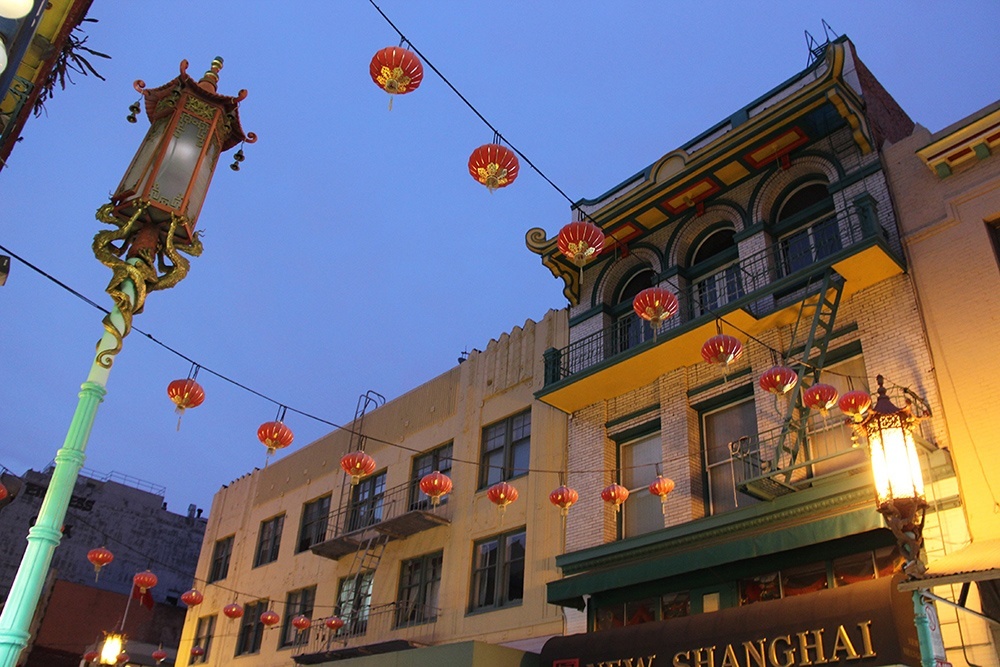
[(769, 478)]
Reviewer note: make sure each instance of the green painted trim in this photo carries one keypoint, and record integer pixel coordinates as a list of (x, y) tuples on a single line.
[(727, 397), (668, 250), (854, 177), (632, 415), (982, 151), (747, 232), (942, 169), (636, 432), (672, 272), (837, 509), (600, 309)]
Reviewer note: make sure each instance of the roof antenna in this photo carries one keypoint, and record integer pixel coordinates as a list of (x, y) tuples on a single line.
[(817, 49)]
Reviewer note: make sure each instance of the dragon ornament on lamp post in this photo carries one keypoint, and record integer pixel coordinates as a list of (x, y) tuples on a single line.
[(153, 212)]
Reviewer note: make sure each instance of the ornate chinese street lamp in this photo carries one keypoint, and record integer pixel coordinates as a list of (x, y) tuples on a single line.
[(153, 212), (899, 495)]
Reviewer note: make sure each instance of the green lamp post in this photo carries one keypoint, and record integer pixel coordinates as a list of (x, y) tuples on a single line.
[(153, 214)]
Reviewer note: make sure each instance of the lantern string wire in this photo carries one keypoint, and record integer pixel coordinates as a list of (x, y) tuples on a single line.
[(308, 415)]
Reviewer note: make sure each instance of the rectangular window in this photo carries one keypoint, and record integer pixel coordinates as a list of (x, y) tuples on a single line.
[(498, 570), (268, 541), (312, 529), (419, 584), (993, 230), (438, 459), (220, 559), (367, 499), (639, 458), (297, 602), (505, 449), (721, 430), (203, 637), (354, 601), (251, 629), (832, 437)]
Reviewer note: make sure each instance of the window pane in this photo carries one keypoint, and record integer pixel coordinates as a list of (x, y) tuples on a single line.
[(676, 605), (640, 611), (832, 436), (804, 579), (642, 512), (852, 569), (505, 449), (515, 568), (720, 428), (760, 588)]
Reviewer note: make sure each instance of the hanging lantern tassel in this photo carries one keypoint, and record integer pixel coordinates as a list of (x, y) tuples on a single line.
[(275, 435), (721, 349), (396, 70), (615, 494), (99, 557), (435, 485), (563, 498), (580, 242), (662, 486), (501, 494), (655, 304), (821, 397), (357, 464), (493, 165), (185, 394)]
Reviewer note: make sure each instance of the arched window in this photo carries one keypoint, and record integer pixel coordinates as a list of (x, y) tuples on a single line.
[(806, 226), (629, 330), (715, 280)]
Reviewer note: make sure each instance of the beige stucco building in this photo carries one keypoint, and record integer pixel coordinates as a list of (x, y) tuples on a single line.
[(296, 537)]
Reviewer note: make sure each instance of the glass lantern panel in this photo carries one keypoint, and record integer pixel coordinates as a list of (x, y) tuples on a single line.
[(138, 172), (201, 182), (180, 159)]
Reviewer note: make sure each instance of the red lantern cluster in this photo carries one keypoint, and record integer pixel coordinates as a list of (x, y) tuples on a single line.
[(275, 435), (778, 380), (197, 651), (91, 656), (721, 350), (855, 404), (662, 486), (615, 494), (122, 658), (357, 464), (98, 557), (301, 622), (159, 655), (333, 623), (233, 610), (435, 485), (144, 580), (580, 242), (494, 166), (192, 598), (655, 304), (563, 498), (501, 494), (396, 70), (185, 394), (820, 397), (270, 618)]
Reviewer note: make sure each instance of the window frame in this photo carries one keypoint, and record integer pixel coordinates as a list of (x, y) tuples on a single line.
[(219, 567), (312, 529), (269, 540), (498, 572), (734, 399), (369, 511), (203, 633), (298, 601), (430, 573), (356, 618), (418, 499), (507, 450), (639, 490), (250, 634)]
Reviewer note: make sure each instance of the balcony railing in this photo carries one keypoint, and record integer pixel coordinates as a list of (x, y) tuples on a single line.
[(397, 513), (392, 626), (762, 283)]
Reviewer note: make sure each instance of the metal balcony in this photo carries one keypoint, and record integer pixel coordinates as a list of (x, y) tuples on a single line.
[(755, 293), (385, 628), (397, 513)]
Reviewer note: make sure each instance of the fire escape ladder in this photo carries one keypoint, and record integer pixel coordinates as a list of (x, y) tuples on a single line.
[(818, 312), (369, 399)]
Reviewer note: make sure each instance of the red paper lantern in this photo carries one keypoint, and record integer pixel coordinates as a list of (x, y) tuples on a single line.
[(99, 557), (662, 486), (122, 658), (501, 494), (721, 350), (357, 465), (396, 70), (159, 655), (580, 242), (334, 623), (301, 622), (144, 580), (197, 651), (185, 394), (563, 498), (435, 485), (778, 380), (275, 435), (270, 618), (615, 494), (91, 656), (233, 610), (192, 597), (655, 304), (493, 165), (3, 491), (820, 397), (855, 404)]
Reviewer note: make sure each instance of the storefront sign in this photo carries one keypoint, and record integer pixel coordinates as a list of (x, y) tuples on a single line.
[(865, 624)]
